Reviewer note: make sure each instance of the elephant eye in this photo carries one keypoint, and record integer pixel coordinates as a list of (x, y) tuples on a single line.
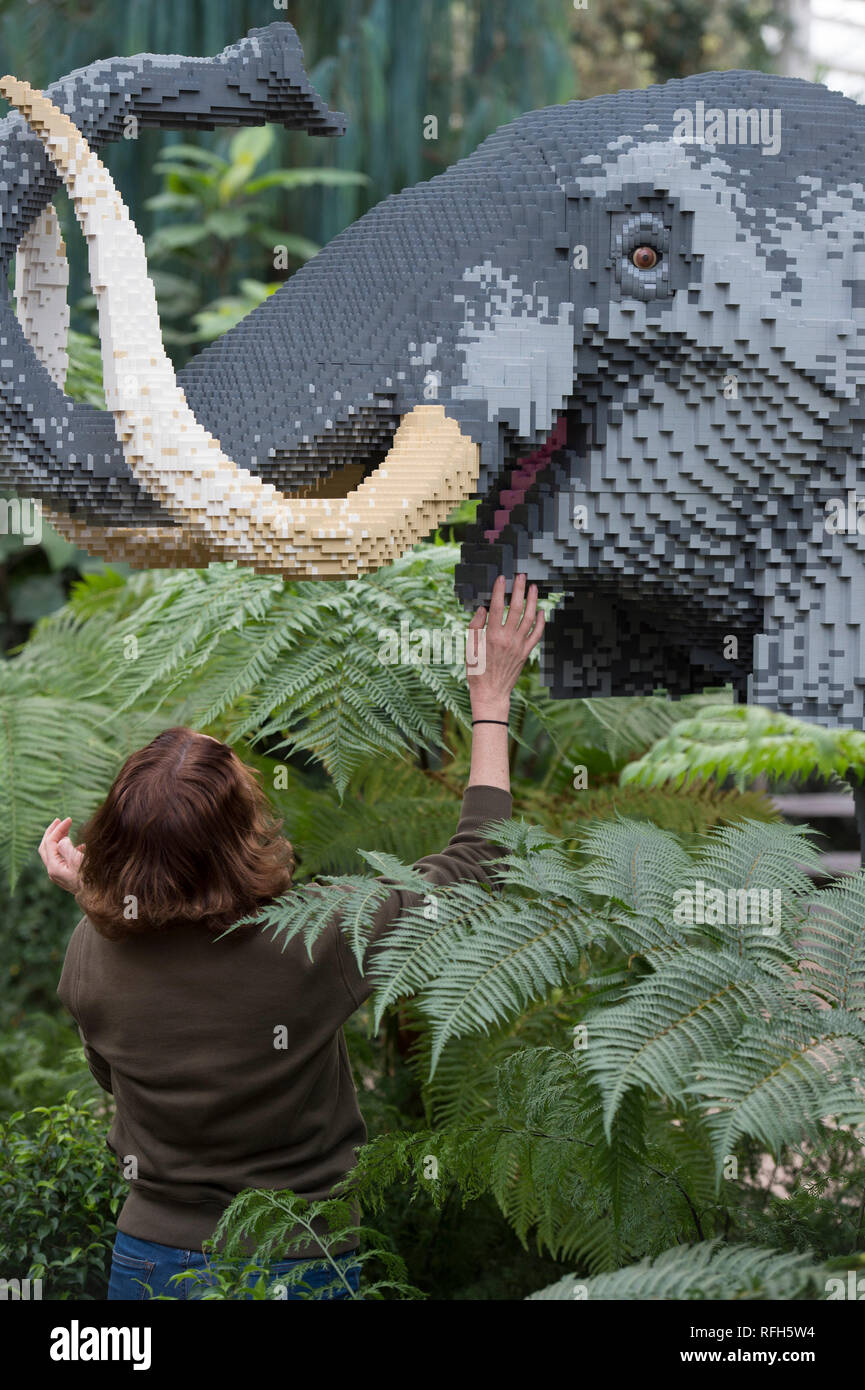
[(645, 258)]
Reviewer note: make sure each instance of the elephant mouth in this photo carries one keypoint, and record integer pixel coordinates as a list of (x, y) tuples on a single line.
[(521, 476)]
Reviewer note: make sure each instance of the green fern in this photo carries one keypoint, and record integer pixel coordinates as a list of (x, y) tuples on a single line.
[(776, 1083), (707, 1271), (746, 742), (687, 811), (833, 945), (614, 1150), (277, 1223)]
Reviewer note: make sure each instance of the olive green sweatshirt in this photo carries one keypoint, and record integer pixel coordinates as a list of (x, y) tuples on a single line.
[(226, 1058)]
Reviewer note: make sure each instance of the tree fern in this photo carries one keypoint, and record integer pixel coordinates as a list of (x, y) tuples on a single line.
[(388, 806), (691, 1007), (746, 741), (709, 1270), (618, 726), (280, 1222), (688, 811), (833, 944), (639, 867), (55, 755), (776, 1083)]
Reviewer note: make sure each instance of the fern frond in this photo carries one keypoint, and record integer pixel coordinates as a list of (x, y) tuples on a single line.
[(710, 1270), (780, 1087), (635, 864), (311, 908), (690, 1010), (55, 756), (516, 951), (746, 741), (833, 944)]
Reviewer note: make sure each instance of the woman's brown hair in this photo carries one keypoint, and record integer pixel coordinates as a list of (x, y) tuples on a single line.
[(185, 835)]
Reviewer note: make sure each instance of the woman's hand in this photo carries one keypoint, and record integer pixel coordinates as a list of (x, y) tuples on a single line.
[(500, 655), (502, 647), (61, 858)]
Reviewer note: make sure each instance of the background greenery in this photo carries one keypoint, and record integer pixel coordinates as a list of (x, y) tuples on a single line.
[(548, 1169)]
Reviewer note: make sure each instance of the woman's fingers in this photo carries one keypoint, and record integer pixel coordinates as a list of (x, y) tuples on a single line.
[(534, 636), (518, 598), (69, 853), (47, 832), (50, 846), (479, 618), (531, 609), (497, 602), (46, 840)]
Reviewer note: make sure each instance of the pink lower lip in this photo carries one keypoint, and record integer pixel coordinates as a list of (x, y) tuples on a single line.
[(523, 474)]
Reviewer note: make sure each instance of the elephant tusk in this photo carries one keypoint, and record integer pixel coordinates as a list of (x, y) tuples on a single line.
[(226, 512), (41, 283)]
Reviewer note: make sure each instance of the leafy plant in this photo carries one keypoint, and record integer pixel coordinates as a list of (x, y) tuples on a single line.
[(278, 1223), (698, 1043), (688, 811), (746, 742), (707, 1270), (37, 922), (41, 1060), (297, 673), (224, 199), (59, 1194)]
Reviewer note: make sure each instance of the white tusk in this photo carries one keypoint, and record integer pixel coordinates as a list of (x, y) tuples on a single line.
[(41, 305)]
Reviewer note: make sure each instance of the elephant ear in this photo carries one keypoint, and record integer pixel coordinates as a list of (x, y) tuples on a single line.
[(223, 511)]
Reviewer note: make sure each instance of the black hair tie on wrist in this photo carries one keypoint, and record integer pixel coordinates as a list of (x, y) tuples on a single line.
[(504, 722)]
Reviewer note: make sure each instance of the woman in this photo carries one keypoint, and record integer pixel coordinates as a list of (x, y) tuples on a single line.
[(226, 1058)]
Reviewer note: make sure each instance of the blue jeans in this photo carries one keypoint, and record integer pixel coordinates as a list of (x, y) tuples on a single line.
[(140, 1270)]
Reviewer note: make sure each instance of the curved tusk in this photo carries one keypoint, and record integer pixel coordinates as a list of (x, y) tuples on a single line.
[(41, 305), (226, 510)]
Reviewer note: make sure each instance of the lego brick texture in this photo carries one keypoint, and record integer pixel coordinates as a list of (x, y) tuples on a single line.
[(648, 342)]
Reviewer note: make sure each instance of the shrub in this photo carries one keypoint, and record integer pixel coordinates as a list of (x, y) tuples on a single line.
[(60, 1191)]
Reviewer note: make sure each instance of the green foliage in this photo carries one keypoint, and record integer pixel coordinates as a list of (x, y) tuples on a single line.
[(291, 666), (388, 806), (84, 373), (708, 1270), (41, 1060), (689, 811), (59, 1193), (222, 198), (60, 745), (292, 670), (38, 919), (694, 1042), (621, 726), (745, 742), (277, 1224)]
